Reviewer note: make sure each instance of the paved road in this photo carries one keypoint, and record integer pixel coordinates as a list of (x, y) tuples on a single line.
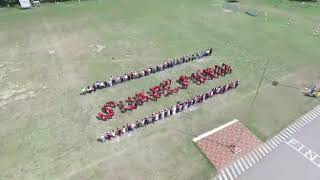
[(297, 158)]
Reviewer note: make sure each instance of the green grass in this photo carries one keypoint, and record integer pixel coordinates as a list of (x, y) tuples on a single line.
[(50, 133)]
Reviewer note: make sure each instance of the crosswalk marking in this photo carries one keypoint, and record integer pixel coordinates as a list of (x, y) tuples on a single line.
[(274, 142), (305, 118), (240, 165), (263, 147), (260, 150), (266, 145), (224, 175), (220, 177), (291, 130), (301, 124), (285, 132), (244, 163), (255, 156), (251, 158), (247, 161), (316, 111), (233, 171), (282, 137), (277, 137), (228, 173), (305, 121), (237, 168), (296, 125), (259, 154), (312, 116), (271, 145)]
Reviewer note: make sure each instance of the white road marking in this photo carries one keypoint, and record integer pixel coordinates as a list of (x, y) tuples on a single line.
[(228, 172), (317, 111), (223, 175), (285, 132), (251, 158), (306, 119), (263, 154), (248, 161), (273, 146), (281, 136), (255, 156), (233, 171), (274, 141), (244, 163), (220, 177), (266, 145), (240, 165), (277, 137), (312, 116), (264, 149), (294, 126), (258, 153), (303, 123), (304, 151), (291, 130), (237, 168)]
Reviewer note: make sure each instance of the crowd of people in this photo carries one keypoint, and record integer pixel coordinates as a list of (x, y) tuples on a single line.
[(179, 107), (164, 88), (113, 80)]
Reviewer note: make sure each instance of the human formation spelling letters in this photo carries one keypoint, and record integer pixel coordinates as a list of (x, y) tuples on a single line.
[(164, 89)]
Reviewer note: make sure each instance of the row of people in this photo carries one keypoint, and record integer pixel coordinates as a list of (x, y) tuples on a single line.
[(164, 88), (179, 107), (113, 80)]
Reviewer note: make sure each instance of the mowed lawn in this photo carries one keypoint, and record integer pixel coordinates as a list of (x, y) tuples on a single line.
[(49, 53)]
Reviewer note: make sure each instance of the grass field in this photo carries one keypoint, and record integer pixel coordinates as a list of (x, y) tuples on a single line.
[(47, 55)]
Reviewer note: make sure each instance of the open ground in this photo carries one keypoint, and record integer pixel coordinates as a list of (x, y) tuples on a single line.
[(48, 54)]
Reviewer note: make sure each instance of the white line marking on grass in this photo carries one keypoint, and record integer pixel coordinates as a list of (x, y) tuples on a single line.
[(214, 130)]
